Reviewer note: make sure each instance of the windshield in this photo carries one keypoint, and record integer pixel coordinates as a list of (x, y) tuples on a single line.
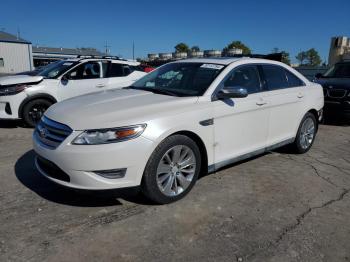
[(180, 79), (56, 69), (341, 70)]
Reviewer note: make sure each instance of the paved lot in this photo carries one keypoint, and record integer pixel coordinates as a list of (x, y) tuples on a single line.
[(277, 207)]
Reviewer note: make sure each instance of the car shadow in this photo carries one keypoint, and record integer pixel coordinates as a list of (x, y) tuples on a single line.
[(27, 174), (333, 119), (11, 124)]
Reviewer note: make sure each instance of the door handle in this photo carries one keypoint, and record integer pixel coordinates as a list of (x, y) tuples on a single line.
[(261, 103), (100, 85), (300, 95)]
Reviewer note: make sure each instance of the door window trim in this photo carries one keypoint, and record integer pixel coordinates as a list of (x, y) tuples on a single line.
[(220, 87)]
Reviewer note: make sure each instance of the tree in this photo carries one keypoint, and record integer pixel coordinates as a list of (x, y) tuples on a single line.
[(195, 48), (313, 57), (238, 44), (181, 47), (275, 50), (285, 57), (301, 57)]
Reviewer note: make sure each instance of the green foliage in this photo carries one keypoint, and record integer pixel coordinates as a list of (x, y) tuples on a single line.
[(195, 48), (285, 57), (181, 47), (238, 44), (311, 57)]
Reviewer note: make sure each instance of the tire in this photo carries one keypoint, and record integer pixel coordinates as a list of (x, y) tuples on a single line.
[(163, 182), (33, 111), (304, 139)]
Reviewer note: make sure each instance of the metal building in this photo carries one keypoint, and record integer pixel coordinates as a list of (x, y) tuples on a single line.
[(43, 55), (15, 54)]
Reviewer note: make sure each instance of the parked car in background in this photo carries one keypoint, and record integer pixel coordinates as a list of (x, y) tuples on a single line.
[(28, 97), (181, 119), (336, 87)]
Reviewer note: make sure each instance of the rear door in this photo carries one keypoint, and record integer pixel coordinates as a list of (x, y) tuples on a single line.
[(285, 97), (83, 79), (122, 75)]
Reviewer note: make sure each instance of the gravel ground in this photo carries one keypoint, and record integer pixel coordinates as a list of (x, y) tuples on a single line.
[(276, 207)]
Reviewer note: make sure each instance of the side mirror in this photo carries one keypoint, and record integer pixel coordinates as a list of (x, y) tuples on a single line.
[(232, 92), (65, 78), (318, 75)]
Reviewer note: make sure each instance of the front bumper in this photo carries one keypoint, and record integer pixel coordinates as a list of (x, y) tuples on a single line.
[(75, 165), (9, 105)]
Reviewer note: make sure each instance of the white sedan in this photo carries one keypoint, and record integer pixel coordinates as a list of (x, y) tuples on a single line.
[(185, 118)]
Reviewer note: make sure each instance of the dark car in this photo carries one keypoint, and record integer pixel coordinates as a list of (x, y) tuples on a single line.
[(336, 88)]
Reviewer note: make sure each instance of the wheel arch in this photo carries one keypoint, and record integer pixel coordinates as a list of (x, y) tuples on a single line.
[(34, 97), (202, 148)]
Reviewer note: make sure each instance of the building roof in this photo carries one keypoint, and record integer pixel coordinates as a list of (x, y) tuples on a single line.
[(9, 38), (66, 51)]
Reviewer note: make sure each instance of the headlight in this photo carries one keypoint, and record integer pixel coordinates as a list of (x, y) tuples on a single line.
[(110, 135), (12, 89)]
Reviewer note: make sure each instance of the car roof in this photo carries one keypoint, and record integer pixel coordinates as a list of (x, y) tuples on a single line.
[(118, 61), (228, 60)]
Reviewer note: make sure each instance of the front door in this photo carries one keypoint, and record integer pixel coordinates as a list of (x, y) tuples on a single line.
[(83, 79), (240, 124)]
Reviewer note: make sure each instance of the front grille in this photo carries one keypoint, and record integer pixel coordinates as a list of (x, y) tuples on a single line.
[(51, 170), (51, 133), (336, 93)]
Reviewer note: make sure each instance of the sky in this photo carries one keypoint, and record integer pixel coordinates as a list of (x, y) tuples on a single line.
[(157, 26)]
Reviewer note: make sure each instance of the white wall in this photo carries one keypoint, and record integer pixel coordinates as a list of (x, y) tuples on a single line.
[(17, 57)]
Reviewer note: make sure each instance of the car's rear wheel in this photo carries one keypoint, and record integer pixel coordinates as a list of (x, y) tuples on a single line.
[(172, 170), (34, 110), (306, 134)]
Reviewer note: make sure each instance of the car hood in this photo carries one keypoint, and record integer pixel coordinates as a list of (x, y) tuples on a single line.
[(118, 107), (343, 83), (20, 79)]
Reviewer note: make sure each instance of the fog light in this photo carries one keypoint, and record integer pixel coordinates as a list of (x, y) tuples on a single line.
[(112, 173)]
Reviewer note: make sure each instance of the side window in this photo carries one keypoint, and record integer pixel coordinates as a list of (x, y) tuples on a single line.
[(89, 70), (293, 80), (116, 70), (2, 62), (275, 77), (104, 68), (127, 70), (244, 76)]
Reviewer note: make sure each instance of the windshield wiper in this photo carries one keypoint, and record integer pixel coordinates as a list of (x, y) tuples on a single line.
[(153, 90)]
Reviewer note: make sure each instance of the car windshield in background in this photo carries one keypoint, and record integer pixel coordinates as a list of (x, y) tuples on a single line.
[(180, 79), (341, 70), (56, 69)]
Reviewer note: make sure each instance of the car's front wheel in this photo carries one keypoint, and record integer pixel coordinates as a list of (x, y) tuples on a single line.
[(34, 110), (172, 169), (306, 134)]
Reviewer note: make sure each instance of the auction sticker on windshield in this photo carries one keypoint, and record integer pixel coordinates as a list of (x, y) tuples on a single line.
[(212, 66)]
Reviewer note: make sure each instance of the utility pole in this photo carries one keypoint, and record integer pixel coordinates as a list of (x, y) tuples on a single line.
[(18, 33), (133, 50), (107, 48)]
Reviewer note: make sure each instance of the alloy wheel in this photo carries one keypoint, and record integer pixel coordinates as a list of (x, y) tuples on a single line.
[(307, 133), (176, 170)]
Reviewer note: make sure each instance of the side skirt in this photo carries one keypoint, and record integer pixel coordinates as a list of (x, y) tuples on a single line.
[(214, 167)]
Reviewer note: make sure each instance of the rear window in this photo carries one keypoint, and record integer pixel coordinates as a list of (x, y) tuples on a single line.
[(275, 77)]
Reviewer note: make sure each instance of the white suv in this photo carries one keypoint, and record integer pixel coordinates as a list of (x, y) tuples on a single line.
[(184, 118), (28, 97)]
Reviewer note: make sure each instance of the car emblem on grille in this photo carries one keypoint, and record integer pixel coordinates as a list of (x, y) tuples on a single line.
[(330, 86), (43, 132)]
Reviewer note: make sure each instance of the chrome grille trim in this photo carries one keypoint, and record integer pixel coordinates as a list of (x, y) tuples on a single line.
[(51, 133)]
